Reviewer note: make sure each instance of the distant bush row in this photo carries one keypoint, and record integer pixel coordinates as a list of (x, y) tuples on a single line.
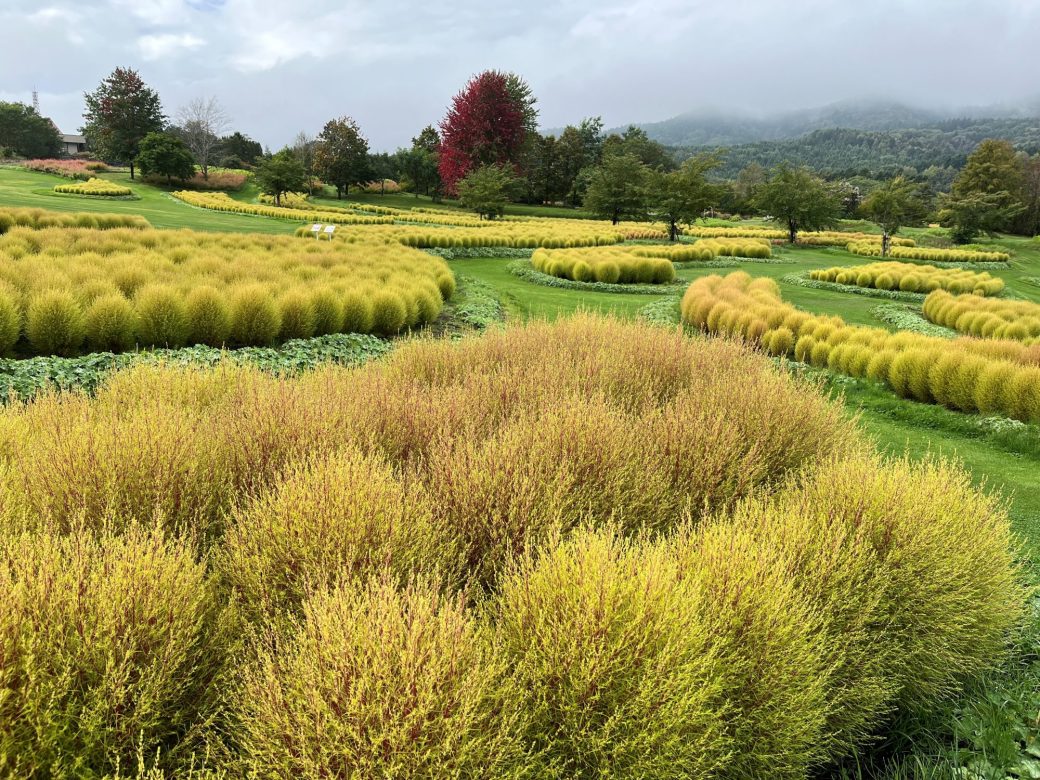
[(219, 201), (1004, 319), (871, 249), (63, 289), (604, 264), (840, 238), (971, 375), (97, 187), (41, 219), (587, 549), (70, 169), (708, 249), (909, 277)]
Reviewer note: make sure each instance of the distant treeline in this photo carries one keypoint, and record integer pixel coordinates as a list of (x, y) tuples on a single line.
[(843, 152)]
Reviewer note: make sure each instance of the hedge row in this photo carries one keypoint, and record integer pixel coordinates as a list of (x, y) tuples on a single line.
[(708, 249), (911, 278), (65, 289), (39, 219), (97, 187), (606, 265), (481, 559), (1003, 319), (992, 377), (841, 238), (221, 201), (526, 271), (871, 292), (519, 235), (871, 249)]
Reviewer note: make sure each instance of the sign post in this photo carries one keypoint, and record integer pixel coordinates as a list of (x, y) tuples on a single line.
[(316, 230), (329, 230)]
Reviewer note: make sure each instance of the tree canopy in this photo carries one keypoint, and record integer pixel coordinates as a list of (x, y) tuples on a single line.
[(25, 133), (486, 190), (119, 114), (280, 173), (163, 154), (894, 204), (680, 197), (799, 199), (341, 155), (617, 188)]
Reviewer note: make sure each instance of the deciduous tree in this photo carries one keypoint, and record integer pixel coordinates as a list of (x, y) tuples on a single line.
[(486, 190), (680, 197), (891, 206), (280, 173), (163, 154), (488, 123), (120, 113), (797, 198), (201, 122), (617, 188), (341, 155)]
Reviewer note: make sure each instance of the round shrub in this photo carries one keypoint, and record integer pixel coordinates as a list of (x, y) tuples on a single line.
[(54, 323), (328, 311), (885, 282), (297, 315), (10, 320), (329, 519), (162, 317), (582, 272), (910, 283), (389, 312), (358, 315), (607, 272), (111, 324), (111, 643), (209, 316), (612, 673), (376, 683), (255, 317)]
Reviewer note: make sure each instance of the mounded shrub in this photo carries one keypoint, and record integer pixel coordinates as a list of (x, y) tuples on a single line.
[(162, 317), (54, 323), (209, 316), (255, 317), (328, 312), (377, 683), (111, 324), (10, 320), (607, 272), (297, 314), (612, 673), (333, 518), (389, 313), (109, 647)]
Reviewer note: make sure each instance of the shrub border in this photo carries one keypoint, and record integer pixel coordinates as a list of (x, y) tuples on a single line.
[(524, 270), (803, 280)]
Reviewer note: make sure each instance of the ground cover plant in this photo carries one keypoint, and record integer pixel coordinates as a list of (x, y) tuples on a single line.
[(96, 187), (572, 550), (872, 249), (988, 376), (909, 277), (66, 289), (996, 319)]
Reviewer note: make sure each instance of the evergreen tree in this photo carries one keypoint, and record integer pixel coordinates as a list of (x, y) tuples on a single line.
[(120, 113)]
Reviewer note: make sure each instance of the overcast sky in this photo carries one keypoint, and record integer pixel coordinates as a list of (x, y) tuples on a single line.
[(281, 66)]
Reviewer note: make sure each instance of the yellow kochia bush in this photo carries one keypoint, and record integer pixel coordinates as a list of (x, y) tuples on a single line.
[(840, 238), (994, 377), (1005, 319), (221, 201), (62, 287), (41, 218), (579, 548), (910, 277), (708, 249), (900, 252), (94, 186)]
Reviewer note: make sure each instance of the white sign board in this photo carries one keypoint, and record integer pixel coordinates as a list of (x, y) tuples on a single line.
[(329, 230)]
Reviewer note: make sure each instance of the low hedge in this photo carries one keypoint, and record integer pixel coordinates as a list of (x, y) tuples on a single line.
[(527, 272)]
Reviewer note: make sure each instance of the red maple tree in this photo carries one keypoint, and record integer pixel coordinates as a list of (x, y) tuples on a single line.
[(487, 124)]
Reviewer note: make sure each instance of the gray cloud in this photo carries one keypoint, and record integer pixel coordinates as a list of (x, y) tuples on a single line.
[(280, 67)]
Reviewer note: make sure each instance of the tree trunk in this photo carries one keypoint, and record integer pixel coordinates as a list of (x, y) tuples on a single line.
[(792, 231), (278, 199), (673, 234), (885, 242), (131, 170), (205, 172), (614, 218)]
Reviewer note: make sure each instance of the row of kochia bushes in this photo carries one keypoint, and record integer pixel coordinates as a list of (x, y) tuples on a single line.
[(812, 238), (559, 234), (64, 289), (967, 374), (841, 238), (910, 277), (221, 201), (586, 549), (38, 219), (897, 252), (96, 187), (709, 249), (1003, 319), (610, 265), (301, 200)]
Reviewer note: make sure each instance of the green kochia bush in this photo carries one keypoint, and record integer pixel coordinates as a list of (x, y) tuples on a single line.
[(108, 649), (54, 323), (111, 324), (162, 317)]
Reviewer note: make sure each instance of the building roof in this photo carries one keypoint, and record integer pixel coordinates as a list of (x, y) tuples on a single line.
[(73, 139)]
